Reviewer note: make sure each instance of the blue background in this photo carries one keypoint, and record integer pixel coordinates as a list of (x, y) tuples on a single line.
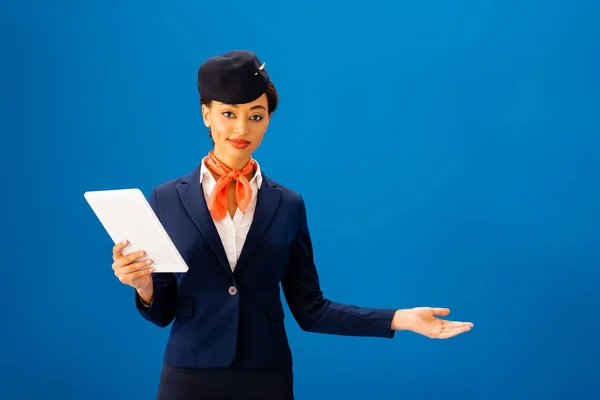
[(474, 124)]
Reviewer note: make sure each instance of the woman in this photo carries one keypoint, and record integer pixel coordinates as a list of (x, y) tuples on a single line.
[(242, 236)]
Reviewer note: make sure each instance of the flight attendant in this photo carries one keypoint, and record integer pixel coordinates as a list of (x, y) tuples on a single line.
[(243, 236)]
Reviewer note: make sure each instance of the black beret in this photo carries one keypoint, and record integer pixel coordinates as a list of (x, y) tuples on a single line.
[(236, 77)]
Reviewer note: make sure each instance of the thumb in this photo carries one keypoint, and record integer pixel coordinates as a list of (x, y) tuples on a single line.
[(441, 311)]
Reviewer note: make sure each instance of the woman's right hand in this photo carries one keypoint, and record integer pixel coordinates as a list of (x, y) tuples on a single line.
[(131, 271)]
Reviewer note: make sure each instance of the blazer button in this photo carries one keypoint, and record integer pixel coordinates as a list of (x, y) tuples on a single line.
[(232, 290)]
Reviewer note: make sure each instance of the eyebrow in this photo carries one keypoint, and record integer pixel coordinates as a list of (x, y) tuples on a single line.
[(252, 108)]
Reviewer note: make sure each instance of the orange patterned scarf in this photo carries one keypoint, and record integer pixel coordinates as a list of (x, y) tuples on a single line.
[(219, 198)]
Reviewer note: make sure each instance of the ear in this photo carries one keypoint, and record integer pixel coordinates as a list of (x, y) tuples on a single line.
[(206, 115)]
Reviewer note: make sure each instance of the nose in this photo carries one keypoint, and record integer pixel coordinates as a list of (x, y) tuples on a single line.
[(241, 126)]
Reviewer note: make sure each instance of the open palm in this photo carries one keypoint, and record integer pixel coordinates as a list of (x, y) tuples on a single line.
[(425, 322)]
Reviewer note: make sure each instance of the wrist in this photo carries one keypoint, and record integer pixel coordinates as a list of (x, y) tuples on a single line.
[(146, 295), (402, 320)]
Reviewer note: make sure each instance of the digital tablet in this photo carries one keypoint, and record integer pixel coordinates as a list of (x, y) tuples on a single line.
[(126, 214)]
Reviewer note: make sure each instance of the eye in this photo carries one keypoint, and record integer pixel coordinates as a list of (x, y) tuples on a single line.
[(228, 114), (256, 117)]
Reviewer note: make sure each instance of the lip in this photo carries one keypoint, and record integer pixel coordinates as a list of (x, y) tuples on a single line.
[(239, 143)]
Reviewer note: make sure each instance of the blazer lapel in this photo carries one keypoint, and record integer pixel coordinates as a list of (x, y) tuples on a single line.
[(192, 197), (266, 206)]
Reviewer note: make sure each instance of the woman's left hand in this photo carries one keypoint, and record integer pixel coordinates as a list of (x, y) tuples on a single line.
[(423, 320)]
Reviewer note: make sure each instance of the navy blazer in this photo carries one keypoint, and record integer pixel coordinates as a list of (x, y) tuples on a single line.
[(236, 319)]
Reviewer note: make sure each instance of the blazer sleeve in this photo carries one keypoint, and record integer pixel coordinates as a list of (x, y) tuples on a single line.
[(314, 312), (162, 309)]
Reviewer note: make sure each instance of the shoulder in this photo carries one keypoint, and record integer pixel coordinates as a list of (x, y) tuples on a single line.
[(286, 192), (172, 184), (288, 195), (168, 186)]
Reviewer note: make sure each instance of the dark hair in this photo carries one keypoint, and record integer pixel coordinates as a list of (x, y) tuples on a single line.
[(272, 98)]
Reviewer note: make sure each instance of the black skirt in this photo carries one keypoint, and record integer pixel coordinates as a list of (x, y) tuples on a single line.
[(225, 384)]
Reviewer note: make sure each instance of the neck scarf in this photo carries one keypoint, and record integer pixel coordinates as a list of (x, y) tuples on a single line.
[(219, 198)]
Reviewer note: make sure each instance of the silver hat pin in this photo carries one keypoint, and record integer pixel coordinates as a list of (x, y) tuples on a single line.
[(260, 68)]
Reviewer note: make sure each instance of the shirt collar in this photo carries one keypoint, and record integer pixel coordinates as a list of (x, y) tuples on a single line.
[(256, 178)]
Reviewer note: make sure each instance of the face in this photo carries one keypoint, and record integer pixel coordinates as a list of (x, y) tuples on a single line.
[(237, 129)]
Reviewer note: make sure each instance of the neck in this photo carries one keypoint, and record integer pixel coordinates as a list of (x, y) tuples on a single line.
[(231, 162)]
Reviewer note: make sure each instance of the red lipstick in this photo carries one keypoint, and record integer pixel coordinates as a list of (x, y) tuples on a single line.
[(239, 143)]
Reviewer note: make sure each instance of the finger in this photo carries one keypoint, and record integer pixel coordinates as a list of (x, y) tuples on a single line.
[(134, 255), (446, 334), (456, 324), (130, 268), (128, 259), (118, 249), (130, 278), (440, 311)]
